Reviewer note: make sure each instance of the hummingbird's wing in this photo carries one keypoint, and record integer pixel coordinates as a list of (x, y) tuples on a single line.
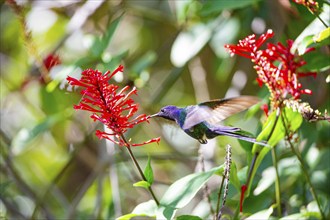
[(215, 111), (195, 114)]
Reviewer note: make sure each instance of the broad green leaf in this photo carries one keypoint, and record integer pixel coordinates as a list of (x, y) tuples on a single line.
[(264, 214), (188, 217), (181, 192), (3, 186), (188, 43), (182, 9), (114, 61), (313, 28), (294, 119), (294, 216), (148, 208), (323, 35), (143, 184), (267, 129), (22, 140), (317, 63), (318, 39), (144, 210), (101, 44), (305, 43), (234, 177), (215, 7), (303, 215), (133, 216), (268, 178), (274, 135), (148, 173), (231, 27)]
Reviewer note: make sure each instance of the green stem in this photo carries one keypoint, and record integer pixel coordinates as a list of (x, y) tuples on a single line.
[(277, 185), (128, 147), (225, 181), (321, 20), (219, 193), (254, 159), (302, 165)]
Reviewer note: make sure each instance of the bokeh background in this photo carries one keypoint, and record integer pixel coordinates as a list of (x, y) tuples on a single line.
[(53, 165)]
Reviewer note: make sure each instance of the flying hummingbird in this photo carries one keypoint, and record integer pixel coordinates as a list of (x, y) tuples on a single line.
[(201, 121)]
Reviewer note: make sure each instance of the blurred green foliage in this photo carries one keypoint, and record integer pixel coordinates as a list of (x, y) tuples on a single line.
[(52, 164)]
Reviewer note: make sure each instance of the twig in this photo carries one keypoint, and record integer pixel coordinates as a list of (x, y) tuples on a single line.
[(226, 175), (128, 147), (219, 194), (277, 184), (302, 165)]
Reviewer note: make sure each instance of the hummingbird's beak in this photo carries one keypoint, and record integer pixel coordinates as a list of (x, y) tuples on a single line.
[(154, 115)]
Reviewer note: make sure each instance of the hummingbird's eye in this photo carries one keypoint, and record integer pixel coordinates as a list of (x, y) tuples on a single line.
[(162, 110)]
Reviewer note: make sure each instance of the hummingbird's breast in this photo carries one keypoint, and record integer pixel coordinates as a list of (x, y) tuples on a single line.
[(198, 132)]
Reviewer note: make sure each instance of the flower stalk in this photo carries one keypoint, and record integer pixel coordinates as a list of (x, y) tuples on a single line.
[(225, 181), (130, 152), (302, 165), (112, 107)]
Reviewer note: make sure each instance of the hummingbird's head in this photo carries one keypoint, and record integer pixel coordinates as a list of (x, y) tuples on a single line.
[(169, 112)]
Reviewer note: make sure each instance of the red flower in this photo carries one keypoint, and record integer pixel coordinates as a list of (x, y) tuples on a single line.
[(312, 5), (51, 60), (115, 109), (276, 66)]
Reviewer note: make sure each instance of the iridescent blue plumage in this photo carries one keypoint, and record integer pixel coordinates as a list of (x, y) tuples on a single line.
[(201, 121)]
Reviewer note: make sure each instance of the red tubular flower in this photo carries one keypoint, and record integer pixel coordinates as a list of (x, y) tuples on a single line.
[(312, 5), (51, 60), (243, 189), (115, 109), (276, 66)]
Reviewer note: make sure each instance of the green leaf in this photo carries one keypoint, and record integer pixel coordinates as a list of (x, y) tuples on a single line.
[(313, 29), (114, 61), (214, 7), (3, 186), (274, 135), (24, 137), (182, 9), (304, 44), (130, 216), (267, 130), (181, 192), (188, 217), (263, 214), (319, 63), (101, 44), (148, 173), (144, 62), (143, 184), (189, 42), (234, 177), (303, 215), (323, 35), (146, 210)]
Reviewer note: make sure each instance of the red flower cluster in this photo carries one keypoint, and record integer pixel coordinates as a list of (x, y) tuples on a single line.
[(312, 5), (276, 66), (114, 109), (51, 60)]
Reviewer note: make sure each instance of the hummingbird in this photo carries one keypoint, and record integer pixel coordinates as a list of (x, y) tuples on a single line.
[(201, 121)]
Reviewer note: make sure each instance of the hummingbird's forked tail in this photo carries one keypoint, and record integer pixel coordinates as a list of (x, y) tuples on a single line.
[(235, 134)]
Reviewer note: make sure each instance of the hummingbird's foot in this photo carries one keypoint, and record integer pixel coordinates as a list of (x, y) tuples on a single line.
[(202, 141)]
